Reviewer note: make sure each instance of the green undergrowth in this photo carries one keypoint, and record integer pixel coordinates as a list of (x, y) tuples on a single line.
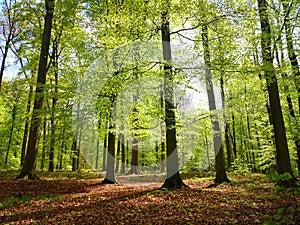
[(57, 175), (13, 201)]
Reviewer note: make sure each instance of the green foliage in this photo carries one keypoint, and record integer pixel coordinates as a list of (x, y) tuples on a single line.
[(275, 177), (13, 201), (283, 216)]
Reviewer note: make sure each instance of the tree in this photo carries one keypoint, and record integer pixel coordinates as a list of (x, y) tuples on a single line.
[(290, 47), (282, 152), (173, 179), (32, 149), (217, 139), (9, 31)]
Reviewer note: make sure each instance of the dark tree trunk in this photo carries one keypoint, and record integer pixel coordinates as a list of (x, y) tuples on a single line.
[(97, 154), (134, 157), (118, 153), (156, 154), (163, 154), (73, 154), (32, 149), (44, 143), (55, 57), (62, 148), (127, 153), (14, 111), (290, 47), (25, 135), (173, 179), (217, 139), (4, 56), (110, 172), (282, 152), (294, 121), (227, 140), (104, 158), (122, 154), (233, 137)]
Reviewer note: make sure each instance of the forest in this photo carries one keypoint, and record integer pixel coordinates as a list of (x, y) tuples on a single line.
[(162, 112)]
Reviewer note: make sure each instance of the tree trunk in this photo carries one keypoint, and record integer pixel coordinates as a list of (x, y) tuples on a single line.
[(44, 143), (110, 172), (134, 157), (227, 140), (233, 137), (163, 154), (25, 135), (118, 153), (173, 179), (32, 149), (104, 158), (291, 110), (217, 138), (282, 152), (122, 154), (97, 154), (11, 133), (55, 57), (290, 48), (73, 154)]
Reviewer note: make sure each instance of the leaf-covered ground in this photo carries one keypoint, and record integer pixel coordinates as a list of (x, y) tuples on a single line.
[(249, 199)]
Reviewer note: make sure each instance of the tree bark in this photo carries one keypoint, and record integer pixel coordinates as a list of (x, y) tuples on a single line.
[(290, 48), (118, 153), (217, 138), (122, 154), (282, 152), (110, 172), (32, 149), (135, 157), (173, 179)]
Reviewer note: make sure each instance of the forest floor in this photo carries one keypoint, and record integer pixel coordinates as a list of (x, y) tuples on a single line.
[(78, 198)]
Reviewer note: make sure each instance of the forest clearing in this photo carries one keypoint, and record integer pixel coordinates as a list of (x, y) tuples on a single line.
[(78, 198)]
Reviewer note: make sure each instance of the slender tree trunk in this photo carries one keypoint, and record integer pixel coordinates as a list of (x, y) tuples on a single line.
[(227, 140), (44, 143), (4, 56), (25, 135), (32, 149), (127, 153), (73, 154), (173, 179), (62, 148), (118, 153), (97, 154), (233, 137), (14, 111), (55, 57), (156, 154), (163, 154), (122, 154), (104, 158), (282, 152), (290, 48), (217, 139)]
